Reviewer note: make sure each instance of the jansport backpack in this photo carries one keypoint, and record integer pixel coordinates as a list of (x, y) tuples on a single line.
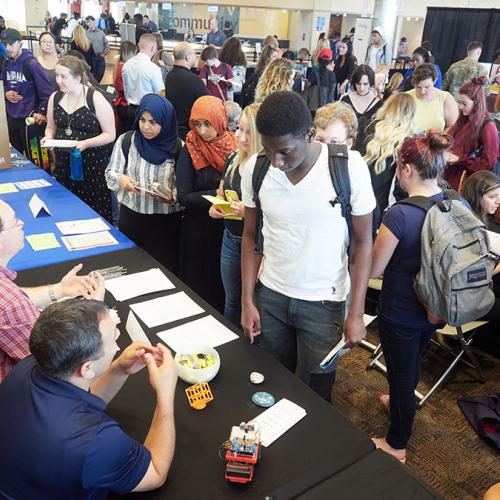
[(455, 278)]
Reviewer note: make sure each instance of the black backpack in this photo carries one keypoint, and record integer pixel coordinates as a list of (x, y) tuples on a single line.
[(26, 68), (338, 157)]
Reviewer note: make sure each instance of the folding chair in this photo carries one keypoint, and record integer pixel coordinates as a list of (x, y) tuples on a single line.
[(459, 333), (374, 284)]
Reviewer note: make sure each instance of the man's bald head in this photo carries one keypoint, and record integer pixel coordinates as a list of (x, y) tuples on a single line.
[(182, 50)]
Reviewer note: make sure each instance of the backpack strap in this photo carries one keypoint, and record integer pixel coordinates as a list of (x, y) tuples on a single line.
[(421, 202), (338, 161), (229, 160), (57, 98), (178, 148), (126, 141), (28, 74), (262, 164), (90, 99)]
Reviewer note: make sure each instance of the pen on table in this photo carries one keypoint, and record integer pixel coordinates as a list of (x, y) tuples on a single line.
[(110, 269)]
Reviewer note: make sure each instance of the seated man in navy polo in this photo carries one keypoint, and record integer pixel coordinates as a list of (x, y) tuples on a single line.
[(60, 442)]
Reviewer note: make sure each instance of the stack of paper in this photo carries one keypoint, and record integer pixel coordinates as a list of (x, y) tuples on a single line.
[(43, 241), (82, 226), (92, 240), (275, 421), (137, 284), (35, 183), (166, 309), (8, 187), (206, 330), (134, 329)]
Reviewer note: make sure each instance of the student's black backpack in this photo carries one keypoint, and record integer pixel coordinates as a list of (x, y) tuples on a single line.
[(26, 68), (338, 157)]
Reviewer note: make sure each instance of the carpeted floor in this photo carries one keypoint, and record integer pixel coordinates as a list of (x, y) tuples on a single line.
[(444, 450)]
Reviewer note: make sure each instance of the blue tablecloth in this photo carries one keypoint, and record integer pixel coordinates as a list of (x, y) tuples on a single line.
[(63, 205)]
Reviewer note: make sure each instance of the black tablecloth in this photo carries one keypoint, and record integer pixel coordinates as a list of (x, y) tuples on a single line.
[(322, 444)]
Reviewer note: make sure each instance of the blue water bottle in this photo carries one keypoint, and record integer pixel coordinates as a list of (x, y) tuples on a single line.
[(76, 165)]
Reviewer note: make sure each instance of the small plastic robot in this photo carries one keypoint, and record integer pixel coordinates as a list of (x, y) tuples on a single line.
[(243, 452)]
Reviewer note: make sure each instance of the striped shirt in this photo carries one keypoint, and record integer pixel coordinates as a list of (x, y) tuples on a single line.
[(144, 173), (17, 317)]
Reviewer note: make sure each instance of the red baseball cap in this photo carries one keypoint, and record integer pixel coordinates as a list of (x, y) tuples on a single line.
[(326, 55)]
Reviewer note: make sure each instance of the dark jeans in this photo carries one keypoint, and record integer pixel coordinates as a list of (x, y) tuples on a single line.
[(402, 346), (300, 333), (99, 67), (230, 268), (17, 133)]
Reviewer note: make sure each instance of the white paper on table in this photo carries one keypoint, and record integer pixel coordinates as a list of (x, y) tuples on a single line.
[(82, 226), (134, 329), (59, 143), (86, 241), (206, 330), (278, 419), (137, 284), (33, 184), (38, 207), (166, 309)]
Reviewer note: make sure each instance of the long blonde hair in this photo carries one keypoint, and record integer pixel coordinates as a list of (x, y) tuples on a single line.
[(323, 43), (250, 113), (80, 38), (394, 122), (275, 77)]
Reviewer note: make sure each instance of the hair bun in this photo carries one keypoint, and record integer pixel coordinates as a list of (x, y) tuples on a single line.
[(438, 141), (479, 80)]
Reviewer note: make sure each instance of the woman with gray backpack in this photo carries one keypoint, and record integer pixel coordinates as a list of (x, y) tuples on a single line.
[(416, 294)]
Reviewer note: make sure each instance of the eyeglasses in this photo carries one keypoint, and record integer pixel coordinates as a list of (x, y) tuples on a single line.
[(463, 104), (18, 223)]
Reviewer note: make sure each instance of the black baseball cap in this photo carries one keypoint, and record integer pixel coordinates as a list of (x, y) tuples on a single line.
[(10, 35)]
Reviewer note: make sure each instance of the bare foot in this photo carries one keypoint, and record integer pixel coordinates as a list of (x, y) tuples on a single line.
[(384, 399), (385, 446)]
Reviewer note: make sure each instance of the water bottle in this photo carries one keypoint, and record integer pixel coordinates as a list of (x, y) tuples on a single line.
[(76, 165)]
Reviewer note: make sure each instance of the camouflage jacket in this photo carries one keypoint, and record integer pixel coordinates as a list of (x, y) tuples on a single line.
[(459, 73)]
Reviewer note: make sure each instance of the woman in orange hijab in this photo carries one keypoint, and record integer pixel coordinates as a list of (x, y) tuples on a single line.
[(199, 170)]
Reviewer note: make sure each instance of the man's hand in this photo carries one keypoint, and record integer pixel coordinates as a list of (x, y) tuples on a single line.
[(98, 289), (162, 370), (354, 329), (128, 184), (39, 118), (13, 96), (250, 321), (132, 359), (74, 286)]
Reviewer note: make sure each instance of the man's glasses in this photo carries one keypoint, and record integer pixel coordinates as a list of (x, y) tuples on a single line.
[(18, 223)]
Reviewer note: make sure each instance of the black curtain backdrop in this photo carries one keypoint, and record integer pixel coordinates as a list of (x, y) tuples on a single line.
[(451, 29)]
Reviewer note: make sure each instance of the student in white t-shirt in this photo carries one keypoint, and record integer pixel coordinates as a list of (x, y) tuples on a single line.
[(296, 309)]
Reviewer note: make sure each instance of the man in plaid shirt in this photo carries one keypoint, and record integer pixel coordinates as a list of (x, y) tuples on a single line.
[(19, 306)]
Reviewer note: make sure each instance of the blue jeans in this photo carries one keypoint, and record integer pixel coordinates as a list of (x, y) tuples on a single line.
[(402, 346), (299, 334), (230, 268)]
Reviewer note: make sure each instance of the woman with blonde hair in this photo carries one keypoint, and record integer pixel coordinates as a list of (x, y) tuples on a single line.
[(230, 259), (323, 43), (278, 75), (393, 123), (82, 44)]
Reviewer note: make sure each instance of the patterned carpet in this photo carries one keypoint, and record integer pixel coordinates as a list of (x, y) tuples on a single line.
[(444, 450)]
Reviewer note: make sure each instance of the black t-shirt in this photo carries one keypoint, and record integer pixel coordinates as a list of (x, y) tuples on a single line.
[(182, 88)]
